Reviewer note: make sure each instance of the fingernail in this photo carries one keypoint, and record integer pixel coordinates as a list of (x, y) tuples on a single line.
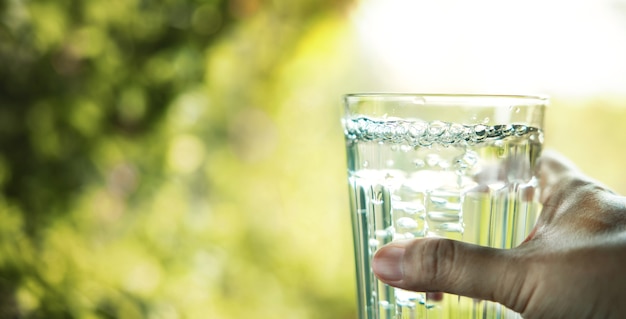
[(387, 263)]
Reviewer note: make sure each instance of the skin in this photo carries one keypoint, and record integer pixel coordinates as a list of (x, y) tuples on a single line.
[(573, 265)]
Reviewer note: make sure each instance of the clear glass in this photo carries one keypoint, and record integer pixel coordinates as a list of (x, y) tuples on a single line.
[(454, 166)]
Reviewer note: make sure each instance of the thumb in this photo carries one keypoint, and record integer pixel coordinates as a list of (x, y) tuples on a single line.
[(444, 265)]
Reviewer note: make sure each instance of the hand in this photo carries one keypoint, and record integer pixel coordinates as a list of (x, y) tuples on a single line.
[(573, 265)]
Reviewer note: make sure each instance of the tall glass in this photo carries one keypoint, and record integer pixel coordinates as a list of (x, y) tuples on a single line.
[(454, 166)]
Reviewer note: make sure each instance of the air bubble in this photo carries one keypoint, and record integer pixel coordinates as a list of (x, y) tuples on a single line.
[(507, 130), (406, 223), (448, 138), (384, 233), (425, 142), (467, 160), (406, 148), (456, 129), (444, 164), (374, 243), (432, 159), (419, 163), (494, 131), (437, 128), (480, 132), (417, 129)]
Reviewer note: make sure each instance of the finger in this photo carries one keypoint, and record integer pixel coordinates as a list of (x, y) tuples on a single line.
[(552, 169), (443, 265), (572, 202)]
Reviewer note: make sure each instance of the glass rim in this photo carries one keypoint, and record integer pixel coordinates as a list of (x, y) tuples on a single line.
[(538, 97)]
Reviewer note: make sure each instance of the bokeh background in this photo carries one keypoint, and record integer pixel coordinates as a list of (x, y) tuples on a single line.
[(184, 158)]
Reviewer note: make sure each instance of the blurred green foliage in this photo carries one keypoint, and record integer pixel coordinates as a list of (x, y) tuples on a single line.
[(172, 159)]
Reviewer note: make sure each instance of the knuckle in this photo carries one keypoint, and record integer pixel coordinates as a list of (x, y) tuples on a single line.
[(435, 261), (572, 191)]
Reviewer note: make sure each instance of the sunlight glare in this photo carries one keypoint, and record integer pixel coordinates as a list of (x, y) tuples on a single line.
[(563, 47)]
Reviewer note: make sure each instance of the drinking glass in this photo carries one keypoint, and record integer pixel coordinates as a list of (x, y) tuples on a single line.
[(436, 165)]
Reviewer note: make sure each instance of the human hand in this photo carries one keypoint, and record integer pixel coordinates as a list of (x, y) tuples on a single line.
[(573, 264)]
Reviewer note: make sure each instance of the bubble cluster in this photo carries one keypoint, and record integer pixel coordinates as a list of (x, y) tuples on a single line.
[(420, 133)]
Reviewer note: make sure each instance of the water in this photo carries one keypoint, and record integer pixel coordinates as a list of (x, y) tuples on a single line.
[(410, 178)]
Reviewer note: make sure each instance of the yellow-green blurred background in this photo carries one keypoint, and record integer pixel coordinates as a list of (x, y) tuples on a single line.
[(184, 158)]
